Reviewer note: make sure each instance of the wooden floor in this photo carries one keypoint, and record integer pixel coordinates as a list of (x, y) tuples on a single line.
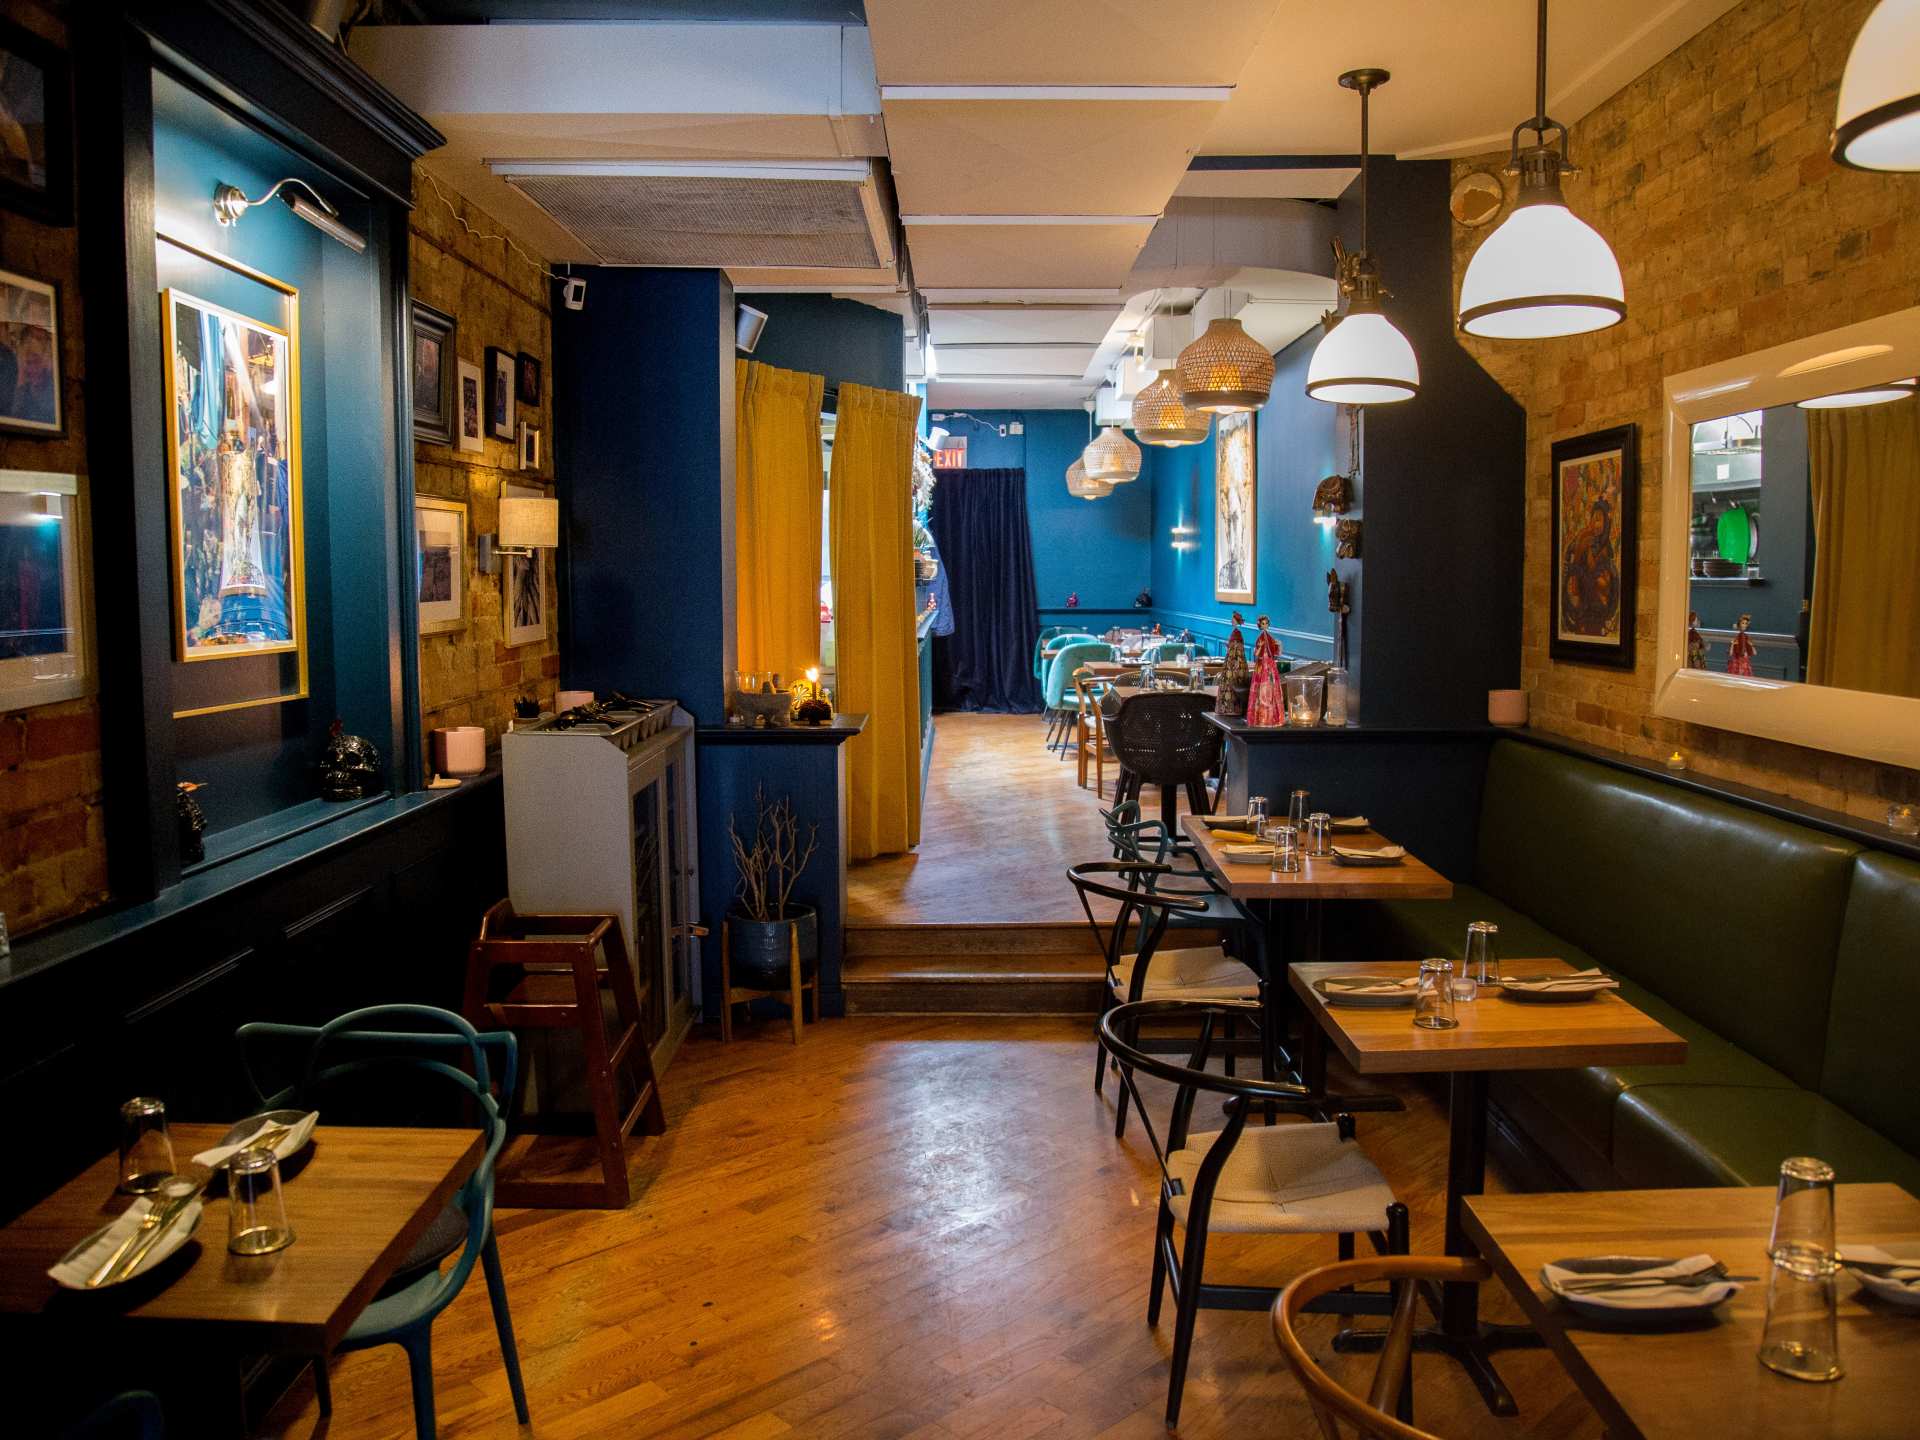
[(1003, 819), (914, 1227)]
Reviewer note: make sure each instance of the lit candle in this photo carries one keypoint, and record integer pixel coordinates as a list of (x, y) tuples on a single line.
[(1676, 761)]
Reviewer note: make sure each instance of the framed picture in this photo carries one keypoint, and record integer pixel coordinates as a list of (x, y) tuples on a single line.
[(470, 419), (1596, 511), (440, 563), (36, 127), (433, 370), (233, 452), (30, 371), (500, 383), (527, 385), (529, 447), (43, 623), (1234, 496), (523, 582)]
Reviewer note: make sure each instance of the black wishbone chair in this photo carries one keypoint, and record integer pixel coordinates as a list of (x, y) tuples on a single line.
[(1310, 1178), (1149, 972)]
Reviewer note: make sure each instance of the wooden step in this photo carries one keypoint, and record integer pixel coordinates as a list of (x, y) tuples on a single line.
[(985, 941), (1032, 984)]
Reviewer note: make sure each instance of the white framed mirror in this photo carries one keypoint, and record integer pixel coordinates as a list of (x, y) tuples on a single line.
[(1790, 543)]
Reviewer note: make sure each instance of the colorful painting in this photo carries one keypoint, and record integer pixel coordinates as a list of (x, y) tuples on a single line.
[(42, 640), (30, 380), (234, 463), (1234, 471), (1596, 485), (500, 392), (523, 580), (472, 425)]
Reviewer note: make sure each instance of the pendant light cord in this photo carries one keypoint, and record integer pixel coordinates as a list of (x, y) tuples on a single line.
[(1365, 90), (1540, 121)]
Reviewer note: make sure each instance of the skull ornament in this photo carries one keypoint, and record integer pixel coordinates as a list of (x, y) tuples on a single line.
[(350, 767)]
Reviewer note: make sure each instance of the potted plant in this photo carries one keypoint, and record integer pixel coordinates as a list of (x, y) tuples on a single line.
[(764, 915)]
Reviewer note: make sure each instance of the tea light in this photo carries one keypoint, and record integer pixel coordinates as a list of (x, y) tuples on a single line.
[(1903, 819), (1676, 761)]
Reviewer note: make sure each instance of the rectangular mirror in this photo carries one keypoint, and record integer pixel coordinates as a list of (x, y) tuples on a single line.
[(1790, 577)]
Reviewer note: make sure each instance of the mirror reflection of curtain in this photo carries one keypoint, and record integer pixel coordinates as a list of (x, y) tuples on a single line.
[(875, 643), (777, 487), (1864, 468)]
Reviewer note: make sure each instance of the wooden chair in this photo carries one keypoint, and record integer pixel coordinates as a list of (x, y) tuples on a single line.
[(1306, 1178), (1392, 1388), (1091, 741), (553, 968), (797, 986)]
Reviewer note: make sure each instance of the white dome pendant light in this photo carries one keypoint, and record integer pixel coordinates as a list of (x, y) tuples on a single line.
[(1877, 123), (1362, 359), (1545, 271)]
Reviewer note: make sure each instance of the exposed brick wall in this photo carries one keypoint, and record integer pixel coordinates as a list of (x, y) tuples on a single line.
[(53, 854), (499, 298), (1709, 175)]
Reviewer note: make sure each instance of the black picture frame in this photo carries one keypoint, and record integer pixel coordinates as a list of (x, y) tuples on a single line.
[(1593, 548), (433, 364), (526, 378), (499, 379), (49, 196)]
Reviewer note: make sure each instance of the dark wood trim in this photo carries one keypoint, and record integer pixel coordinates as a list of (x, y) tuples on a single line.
[(153, 1005)]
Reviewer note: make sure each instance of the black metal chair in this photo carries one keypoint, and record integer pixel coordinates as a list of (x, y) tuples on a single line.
[(1165, 739), (1309, 1178)]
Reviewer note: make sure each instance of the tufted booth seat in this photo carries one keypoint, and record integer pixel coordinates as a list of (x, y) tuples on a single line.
[(1788, 958)]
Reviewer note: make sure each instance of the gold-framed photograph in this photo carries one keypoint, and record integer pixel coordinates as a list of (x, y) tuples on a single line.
[(440, 563), (1235, 499)]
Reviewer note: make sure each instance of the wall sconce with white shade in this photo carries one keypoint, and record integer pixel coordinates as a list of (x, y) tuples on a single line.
[(526, 525), (1877, 121)]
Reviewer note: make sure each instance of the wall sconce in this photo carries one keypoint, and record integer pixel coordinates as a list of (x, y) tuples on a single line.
[(1182, 537), (1332, 498), (1346, 540), (526, 525), (230, 203)]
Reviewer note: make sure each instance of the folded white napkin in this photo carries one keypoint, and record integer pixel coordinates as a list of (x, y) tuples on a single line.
[(1643, 1297), (1382, 852), (1227, 822), (1247, 854), (290, 1145), (77, 1267), (1592, 978), (1370, 984), (1350, 822), (1901, 1288)]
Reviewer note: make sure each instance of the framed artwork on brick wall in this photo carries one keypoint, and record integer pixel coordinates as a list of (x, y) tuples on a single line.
[(43, 623), (501, 369), (433, 373), (440, 563), (470, 422), (523, 583), (1596, 511)]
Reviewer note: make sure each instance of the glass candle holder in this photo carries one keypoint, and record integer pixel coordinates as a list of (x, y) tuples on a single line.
[(1303, 698), (1433, 1000), (1903, 819), (1336, 696), (146, 1150), (1802, 1336), (256, 1205)]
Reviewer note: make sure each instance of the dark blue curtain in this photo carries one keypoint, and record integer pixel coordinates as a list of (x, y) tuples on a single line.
[(980, 522)]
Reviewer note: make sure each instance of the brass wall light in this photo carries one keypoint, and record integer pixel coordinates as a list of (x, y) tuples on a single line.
[(230, 203)]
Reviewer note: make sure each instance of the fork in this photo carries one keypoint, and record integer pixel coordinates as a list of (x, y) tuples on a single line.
[(1697, 1280)]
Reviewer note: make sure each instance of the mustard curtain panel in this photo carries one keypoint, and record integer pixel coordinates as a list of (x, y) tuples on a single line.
[(776, 517), (877, 660), (1864, 629)]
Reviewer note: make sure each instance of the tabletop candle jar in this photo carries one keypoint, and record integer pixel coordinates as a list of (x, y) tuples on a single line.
[(1336, 696), (1304, 694)]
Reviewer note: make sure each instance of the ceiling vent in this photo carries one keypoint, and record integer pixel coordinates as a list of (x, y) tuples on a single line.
[(789, 215)]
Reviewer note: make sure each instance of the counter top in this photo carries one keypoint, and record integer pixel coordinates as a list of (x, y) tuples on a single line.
[(841, 729), (1239, 729)]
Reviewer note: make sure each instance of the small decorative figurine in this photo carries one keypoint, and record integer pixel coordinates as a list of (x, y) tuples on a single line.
[(349, 767), (1143, 601), (1332, 497), (1073, 599), (192, 822), (1741, 651), (1337, 603), (1696, 642), (1266, 705), (1231, 699), (1346, 540)]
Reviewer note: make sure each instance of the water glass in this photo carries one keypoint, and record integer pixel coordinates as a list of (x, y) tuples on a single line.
[(1257, 814), (1433, 1000), (256, 1207), (1286, 849), (146, 1151), (1320, 834), (1298, 810), (1481, 964), (1802, 1337)]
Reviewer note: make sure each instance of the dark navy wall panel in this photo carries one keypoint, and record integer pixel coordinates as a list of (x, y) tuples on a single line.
[(643, 420), (843, 340)]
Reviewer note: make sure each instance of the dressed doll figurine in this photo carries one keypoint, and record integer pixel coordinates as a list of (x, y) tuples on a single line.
[(1266, 704), (1696, 642), (1741, 651), (1231, 698)]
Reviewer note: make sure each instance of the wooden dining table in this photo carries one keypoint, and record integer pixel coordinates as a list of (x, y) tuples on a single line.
[(1704, 1380), (358, 1199), (1493, 1033)]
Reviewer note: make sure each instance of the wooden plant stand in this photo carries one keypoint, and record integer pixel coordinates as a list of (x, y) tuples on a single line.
[(540, 954), (732, 995)]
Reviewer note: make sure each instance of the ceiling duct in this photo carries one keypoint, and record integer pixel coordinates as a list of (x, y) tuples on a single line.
[(785, 215)]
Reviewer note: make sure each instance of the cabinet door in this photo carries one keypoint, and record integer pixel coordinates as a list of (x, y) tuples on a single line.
[(683, 883)]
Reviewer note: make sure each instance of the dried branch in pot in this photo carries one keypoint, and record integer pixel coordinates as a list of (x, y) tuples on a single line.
[(772, 861)]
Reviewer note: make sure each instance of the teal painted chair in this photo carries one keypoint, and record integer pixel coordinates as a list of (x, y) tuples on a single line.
[(353, 1060), (1042, 668), (1061, 700), (1046, 638)]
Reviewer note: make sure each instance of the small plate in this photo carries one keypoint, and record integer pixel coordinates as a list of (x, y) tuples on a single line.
[(175, 1235), (1651, 1309), (1368, 858), (1336, 996), (300, 1125), (1894, 1292), (1225, 822)]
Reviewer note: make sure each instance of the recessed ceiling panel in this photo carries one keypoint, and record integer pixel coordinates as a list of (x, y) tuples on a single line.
[(1001, 358), (957, 325), (1023, 255), (965, 395)]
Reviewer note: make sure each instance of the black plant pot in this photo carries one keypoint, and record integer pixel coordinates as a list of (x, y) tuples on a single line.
[(759, 952)]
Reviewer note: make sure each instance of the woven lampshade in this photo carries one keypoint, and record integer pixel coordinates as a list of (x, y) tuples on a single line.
[(1079, 486), (1112, 457), (1160, 417), (1225, 371)]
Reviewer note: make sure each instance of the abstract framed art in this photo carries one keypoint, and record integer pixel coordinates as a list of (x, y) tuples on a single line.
[(523, 582), (1235, 472), (470, 424), (440, 563), (1596, 510), (43, 599), (501, 367), (433, 375)]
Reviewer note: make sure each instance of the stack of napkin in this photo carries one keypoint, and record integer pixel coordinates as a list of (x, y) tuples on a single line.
[(1254, 854), (1370, 984), (1381, 852), (1580, 981)]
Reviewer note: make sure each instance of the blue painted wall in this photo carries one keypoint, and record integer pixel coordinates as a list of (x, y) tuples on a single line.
[(1298, 441), (1101, 548), (843, 340)]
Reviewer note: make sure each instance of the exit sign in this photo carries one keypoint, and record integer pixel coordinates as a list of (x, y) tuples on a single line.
[(952, 454)]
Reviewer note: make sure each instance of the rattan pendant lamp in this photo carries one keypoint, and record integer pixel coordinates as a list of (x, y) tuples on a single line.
[(1545, 271), (1161, 417), (1081, 487), (1363, 359), (1877, 122), (1112, 457), (1224, 371)]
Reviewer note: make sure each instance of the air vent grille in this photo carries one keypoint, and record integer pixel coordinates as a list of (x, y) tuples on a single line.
[(709, 221)]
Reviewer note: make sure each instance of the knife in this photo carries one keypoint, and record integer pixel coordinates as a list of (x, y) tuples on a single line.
[(149, 1234)]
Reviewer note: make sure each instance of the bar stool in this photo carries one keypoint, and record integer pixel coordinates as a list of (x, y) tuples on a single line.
[(553, 968)]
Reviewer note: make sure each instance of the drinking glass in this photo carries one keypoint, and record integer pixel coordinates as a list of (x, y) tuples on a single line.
[(1336, 696), (1433, 1000), (1480, 964), (1286, 849), (1298, 810), (256, 1207), (1257, 814), (146, 1152), (1320, 834), (1802, 1337)]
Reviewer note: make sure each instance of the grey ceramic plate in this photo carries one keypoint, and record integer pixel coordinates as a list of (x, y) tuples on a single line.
[(1336, 996), (1548, 997), (1683, 1312)]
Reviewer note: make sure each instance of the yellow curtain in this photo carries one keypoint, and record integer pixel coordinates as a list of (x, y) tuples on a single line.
[(777, 484), (1864, 629), (876, 652)]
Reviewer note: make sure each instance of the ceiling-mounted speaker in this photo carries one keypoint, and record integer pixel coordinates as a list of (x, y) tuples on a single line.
[(747, 325)]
